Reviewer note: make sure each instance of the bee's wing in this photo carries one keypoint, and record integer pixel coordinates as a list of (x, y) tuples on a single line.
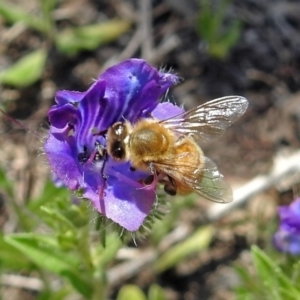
[(211, 185), (209, 120)]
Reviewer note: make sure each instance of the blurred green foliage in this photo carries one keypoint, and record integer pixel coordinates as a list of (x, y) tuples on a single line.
[(25, 71), (56, 236), (212, 28), (73, 40), (130, 291), (198, 241), (275, 277), (70, 41)]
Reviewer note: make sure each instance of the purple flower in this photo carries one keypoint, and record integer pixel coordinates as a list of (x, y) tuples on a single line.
[(287, 238), (129, 91)]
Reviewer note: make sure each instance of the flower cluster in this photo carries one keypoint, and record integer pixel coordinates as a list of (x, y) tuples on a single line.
[(76, 144), (287, 238)]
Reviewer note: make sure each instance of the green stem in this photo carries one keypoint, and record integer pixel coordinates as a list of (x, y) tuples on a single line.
[(47, 9), (23, 218), (100, 286), (98, 277)]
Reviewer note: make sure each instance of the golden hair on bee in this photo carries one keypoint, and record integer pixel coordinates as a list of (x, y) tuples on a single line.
[(148, 141)]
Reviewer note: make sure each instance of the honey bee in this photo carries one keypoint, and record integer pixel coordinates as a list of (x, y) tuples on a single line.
[(170, 149)]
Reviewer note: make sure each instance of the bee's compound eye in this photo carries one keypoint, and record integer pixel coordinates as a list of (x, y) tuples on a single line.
[(118, 151)]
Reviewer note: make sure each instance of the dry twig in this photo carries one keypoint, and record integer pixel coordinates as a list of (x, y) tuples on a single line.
[(282, 168)]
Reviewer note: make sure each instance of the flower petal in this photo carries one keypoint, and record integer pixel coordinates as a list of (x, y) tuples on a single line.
[(134, 88), (290, 217), (61, 159), (129, 90), (64, 97), (285, 241), (61, 116), (166, 110), (124, 203)]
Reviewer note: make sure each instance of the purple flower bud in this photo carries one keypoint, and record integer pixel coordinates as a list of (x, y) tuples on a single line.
[(76, 143), (287, 238)]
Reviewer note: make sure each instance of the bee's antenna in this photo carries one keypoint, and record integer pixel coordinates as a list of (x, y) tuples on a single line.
[(19, 123)]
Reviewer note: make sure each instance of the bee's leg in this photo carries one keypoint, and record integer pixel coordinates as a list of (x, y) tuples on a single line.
[(84, 155), (105, 155), (151, 167), (149, 180), (102, 153), (170, 187), (98, 153)]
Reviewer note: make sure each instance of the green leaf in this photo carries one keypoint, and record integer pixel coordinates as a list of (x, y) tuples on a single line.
[(73, 40), (7, 187), (221, 47), (265, 267), (44, 251), (273, 277), (130, 291), (25, 71), (244, 274), (219, 37), (13, 14), (55, 295), (198, 241), (289, 294), (6, 184), (55, 207), (57, 216), (162, 227), (50, 194), (106, 254), (13, 259), (156, 293), (48, 6)]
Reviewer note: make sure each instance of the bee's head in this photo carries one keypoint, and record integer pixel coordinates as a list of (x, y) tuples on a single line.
[(116, 135)]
